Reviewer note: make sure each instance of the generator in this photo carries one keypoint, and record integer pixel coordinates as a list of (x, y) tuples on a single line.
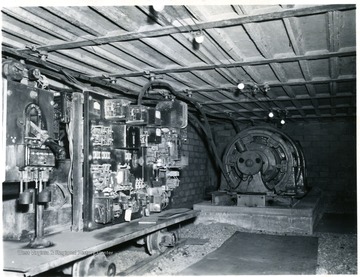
[(263, 163)]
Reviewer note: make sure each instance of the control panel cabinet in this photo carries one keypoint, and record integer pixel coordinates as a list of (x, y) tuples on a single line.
[(131, 162)]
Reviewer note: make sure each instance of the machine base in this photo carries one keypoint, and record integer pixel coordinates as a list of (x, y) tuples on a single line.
[(301, 218)]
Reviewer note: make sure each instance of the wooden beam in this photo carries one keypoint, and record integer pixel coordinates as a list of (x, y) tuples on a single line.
[(56, 71), (74, 55), (276, 84), (296, 38), (68, 31), (204, 25), (333, 44), (78, 130), (288, 109), (227, 43), (202, 53), (45, 21), (280, 99), (128, 24), (295, 117), (221, 110), (166, 51), (38, 17), (213, 35), (34, 20), (114, 14), (124, 22), (240, 63), (233, 98), (256, 35), (76, 17)]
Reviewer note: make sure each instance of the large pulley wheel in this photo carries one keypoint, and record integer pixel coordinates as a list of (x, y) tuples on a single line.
[(264, 159)]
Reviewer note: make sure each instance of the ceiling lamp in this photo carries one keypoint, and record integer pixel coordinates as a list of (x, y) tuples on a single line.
[(271, 114), (282, 121), (266, 88), (158, 7), (199, 37), (255, 89), (241, 86)]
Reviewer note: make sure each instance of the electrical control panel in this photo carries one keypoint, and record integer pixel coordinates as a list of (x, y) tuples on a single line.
[(30, 121), (106, 161), (134, 159)]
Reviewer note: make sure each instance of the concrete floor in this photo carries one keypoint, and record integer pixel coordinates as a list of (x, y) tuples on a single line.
[(259, 254), (268, 254)]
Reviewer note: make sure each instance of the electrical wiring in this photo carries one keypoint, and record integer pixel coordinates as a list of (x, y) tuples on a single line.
[(221, 52), (192, 30), (69, 130), (61, 188), (227, 66)]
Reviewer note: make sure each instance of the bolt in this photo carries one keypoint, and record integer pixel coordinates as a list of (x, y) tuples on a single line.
[(21, 122), (249, 163)]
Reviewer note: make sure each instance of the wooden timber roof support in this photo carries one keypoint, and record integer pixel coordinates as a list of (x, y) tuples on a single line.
[(167, 30), (300, 57), (305, 56)]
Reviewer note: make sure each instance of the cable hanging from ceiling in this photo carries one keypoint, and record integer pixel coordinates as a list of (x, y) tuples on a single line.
[(198, 30), (198, 38), (255, 88)]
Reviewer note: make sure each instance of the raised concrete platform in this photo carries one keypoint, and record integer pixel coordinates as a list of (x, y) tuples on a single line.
[(300, 219)]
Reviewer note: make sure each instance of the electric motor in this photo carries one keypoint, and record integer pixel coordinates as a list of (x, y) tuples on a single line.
[(264, 160)]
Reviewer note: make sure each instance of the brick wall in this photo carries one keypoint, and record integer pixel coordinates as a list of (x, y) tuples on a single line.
[(195, 177), (330, 152)]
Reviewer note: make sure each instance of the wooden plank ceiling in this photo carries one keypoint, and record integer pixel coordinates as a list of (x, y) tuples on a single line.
[(300, 60)]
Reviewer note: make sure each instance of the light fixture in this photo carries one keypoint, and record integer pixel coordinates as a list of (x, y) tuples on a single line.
[(188, 93), (266, 88), (282, 121), (271, 114), (241, 86), (199, 37), (158, 7), (255, 89)]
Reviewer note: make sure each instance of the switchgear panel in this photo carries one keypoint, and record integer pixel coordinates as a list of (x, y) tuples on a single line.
[(134, 159), (97, 160)]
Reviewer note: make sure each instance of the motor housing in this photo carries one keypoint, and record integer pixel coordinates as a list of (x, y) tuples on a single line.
[(264, 160)]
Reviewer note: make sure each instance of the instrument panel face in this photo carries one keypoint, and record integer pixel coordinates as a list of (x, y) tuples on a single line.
[(134, 162)]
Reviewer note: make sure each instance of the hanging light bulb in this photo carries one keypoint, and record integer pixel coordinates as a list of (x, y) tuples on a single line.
[(241, 86), (271, 114), (158, 7), (188, 93), (266, 88), (199, 37), (255, 90)]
